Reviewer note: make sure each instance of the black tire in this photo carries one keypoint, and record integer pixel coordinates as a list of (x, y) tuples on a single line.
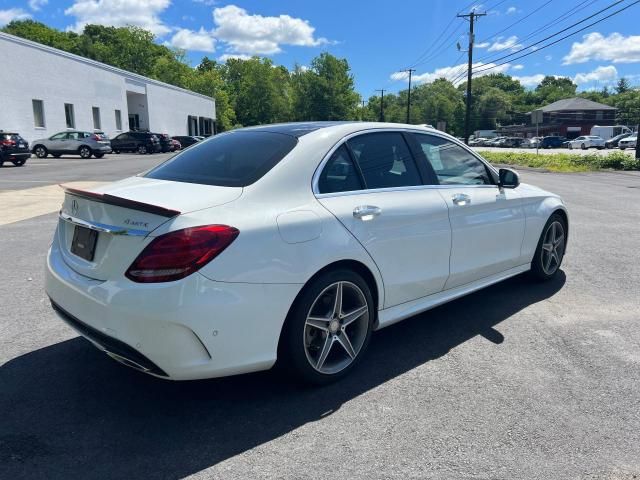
[(583, 147), (292, 350), (19, 163), (85, 152), (56, 155), (98, 155), (538, 270), (117, 152), (142, 149), (40, 151)]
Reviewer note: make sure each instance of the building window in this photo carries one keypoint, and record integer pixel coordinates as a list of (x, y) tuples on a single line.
[(599, 114), (192, 123), (118, 120), (38, 113), (69, 116), (96, 118)]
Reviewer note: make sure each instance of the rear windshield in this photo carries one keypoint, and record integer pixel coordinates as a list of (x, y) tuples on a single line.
[(10, 136), (234, 159)]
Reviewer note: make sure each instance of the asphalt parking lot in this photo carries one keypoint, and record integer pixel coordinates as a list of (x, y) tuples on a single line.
[(519, 381), (551, 151)]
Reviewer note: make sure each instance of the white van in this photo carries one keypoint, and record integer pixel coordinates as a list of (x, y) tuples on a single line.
[(608, 132)]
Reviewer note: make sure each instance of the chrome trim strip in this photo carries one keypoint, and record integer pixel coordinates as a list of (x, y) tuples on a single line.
[(401, 189), (423, 130), (102, 227)]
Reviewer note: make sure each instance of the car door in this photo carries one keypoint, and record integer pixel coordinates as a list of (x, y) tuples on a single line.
[(56, 143), (487, 222), (374, 187), (73, 142)]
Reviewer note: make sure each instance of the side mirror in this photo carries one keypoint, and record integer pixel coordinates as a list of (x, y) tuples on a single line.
[(508, 178)]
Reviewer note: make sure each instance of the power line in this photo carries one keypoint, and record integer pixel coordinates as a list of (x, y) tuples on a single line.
[(563, 30), (560, 39), (516, 22), (485, 67)]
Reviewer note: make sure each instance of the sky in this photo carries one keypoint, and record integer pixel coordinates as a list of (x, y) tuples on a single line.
[(379, 38)]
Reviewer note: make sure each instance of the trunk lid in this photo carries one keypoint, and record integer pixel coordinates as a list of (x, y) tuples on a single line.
[(124, 215)]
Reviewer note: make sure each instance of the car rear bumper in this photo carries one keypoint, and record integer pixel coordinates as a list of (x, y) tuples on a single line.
[(189, 329), (103, 149), (10, 156)]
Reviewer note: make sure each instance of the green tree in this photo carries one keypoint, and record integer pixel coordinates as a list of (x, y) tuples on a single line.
[(325, 91), (622, 86), (552, 89)]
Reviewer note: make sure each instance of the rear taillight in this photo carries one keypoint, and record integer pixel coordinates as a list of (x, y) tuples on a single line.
[(96, 137), (8, 143), (175, 255)]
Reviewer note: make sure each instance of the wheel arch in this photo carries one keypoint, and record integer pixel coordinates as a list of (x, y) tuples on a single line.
[(563, 213), (354, 265)]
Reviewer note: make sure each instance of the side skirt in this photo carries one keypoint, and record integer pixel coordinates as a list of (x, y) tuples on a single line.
[(397, 313)]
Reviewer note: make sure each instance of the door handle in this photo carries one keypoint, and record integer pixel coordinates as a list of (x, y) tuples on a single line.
[(461, 199), (366, 212)]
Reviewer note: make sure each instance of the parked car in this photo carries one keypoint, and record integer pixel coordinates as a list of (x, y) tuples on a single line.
[(629, 142), (495, 142), (587, 141), (141, 142), (477, 142), (551, 141), (73, 142), (512, 142), (13, 148), (186, 140), (176, 145), (166, 145), (613, 142), (148, 267), (532, 142)]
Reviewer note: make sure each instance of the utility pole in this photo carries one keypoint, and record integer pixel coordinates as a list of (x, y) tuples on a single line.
[(467, 117), (410, 71), (637, 143), (381, 90)]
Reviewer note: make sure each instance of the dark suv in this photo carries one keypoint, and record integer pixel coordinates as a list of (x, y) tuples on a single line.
[(166, 145), (186, 140), (141, 142), (552, 142), (13, 148)]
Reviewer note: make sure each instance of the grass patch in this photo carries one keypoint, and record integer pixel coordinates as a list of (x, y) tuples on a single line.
[(565, 162)]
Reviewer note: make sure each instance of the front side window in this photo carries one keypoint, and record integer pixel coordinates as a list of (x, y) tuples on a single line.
[(38, 113), (59, 136), (339, 174), (69, 116), (385, 160), (452, 164), (234, 159)]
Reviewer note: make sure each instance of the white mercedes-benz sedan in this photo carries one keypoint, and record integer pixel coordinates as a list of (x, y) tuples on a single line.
[(291, 243)]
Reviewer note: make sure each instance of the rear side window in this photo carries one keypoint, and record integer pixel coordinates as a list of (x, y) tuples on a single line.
[(385, 160), (339, 174), (234, 159)]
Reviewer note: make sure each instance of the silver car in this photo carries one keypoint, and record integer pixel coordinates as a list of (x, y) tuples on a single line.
[(73, 142)]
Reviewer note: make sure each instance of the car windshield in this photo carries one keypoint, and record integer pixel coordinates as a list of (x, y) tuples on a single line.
[(234, 159)]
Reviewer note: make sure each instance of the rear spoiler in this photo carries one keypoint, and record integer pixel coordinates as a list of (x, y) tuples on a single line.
[(121, 202)]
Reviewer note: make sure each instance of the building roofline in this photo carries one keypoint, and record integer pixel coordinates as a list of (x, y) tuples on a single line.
[(94, 63)]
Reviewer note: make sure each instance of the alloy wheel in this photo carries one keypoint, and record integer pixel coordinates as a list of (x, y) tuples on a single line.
[(85, 152), (553, 248), (336, 327), (41, 152)]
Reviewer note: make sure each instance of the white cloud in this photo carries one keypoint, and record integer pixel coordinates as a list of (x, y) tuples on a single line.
[(12, 14), (601, 74), (530, 81), (511, 10), (227, 56), (208, 3), (118, 13), (501, 43), (453, 74), (518, 67), (482, 44), (35, 5), (548, 57), (615, 48), (258, 35), (200, 41)]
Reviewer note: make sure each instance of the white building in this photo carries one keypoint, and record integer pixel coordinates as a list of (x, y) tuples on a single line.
[(44, 91)]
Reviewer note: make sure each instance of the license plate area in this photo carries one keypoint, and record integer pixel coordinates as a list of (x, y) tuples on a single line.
[(84, 242)]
